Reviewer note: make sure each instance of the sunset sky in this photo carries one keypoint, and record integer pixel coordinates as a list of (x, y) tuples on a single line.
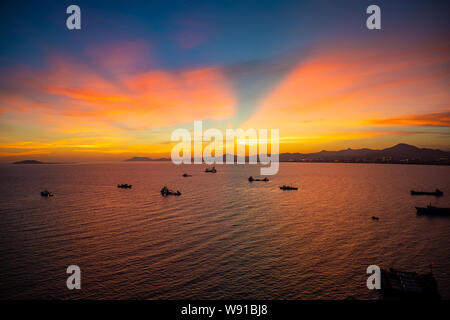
[(137, 70)]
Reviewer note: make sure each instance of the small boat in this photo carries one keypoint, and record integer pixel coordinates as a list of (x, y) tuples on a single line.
[(124, 186), (186, 175), (284, 187), (397, 284), (167, 192), (211, 170), (46, 193), (436, 193), (375, 218), (251, 179), (433, 211)]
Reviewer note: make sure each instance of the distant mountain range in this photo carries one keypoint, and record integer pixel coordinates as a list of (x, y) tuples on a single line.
[(400, 153)]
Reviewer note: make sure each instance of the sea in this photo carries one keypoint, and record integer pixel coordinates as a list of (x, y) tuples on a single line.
[(224, 237)]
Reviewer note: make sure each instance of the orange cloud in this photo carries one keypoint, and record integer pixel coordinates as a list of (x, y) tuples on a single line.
[(431, 120), (101, 105), (332, 93), (139, 101)]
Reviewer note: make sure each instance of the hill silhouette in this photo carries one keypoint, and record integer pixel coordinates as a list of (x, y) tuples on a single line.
[(400, 153)]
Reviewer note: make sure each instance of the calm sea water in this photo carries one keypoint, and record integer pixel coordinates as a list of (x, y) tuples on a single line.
[(224, 238)]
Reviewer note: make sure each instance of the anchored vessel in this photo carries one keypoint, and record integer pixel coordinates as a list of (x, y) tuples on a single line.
[(435, 211), (397, 284), (284, 187), (212, 170), (167, 192), (436, 193), (124, 186), (251, 179), (46, 193), (186, 175)]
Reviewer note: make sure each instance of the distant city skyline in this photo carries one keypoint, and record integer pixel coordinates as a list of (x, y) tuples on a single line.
[(136, 71)]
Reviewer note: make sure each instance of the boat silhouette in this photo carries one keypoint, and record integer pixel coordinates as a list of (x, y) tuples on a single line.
[(251, 179), (433, 211), (396, 284), (211, 170), (436, 193), (186, 175), (285, 187), (124, 186), (167, 192), (46, 193)]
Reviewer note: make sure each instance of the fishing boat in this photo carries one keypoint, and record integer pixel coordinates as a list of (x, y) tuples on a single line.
[(375, 218), (284, 187), (251, 179), (397, 284), (433, 211), (186, 175), (124, 186), (46, 193), (211, 170), (436, 193), (167, 192)]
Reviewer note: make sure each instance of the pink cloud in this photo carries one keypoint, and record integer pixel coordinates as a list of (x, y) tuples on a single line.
[(191, 32), (69, 92)]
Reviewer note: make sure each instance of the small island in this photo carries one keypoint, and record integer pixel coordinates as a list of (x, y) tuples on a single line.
[(146, 159), (40, 162), (29, 162)]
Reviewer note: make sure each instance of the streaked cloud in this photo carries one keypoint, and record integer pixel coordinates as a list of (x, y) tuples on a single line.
[(441, 119), (98, 104), (191, 30), (68, 90), (333, 92)]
